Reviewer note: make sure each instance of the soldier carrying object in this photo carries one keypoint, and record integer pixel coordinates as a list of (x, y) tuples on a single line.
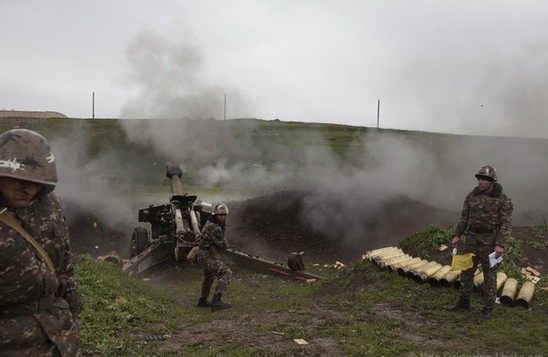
[(212, 243), (39, 299), (486, 220)]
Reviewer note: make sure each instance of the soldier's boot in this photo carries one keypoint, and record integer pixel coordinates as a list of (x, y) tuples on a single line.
[(462, 304), (203, 302), (486, 313), (217, 303)]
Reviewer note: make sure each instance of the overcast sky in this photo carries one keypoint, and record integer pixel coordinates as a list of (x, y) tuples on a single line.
[(471, 67)]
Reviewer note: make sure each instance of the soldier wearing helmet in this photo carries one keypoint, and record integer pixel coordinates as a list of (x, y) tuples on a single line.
[(487, 173), (38, 295), (486, 223), (212, 243)]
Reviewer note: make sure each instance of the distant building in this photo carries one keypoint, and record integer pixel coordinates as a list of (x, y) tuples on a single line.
[(20, 114)]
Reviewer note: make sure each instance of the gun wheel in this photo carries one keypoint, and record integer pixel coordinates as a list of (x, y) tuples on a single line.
[(139, 241)]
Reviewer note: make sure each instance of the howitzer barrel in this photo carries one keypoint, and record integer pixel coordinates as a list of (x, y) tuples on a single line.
[(174, 173)]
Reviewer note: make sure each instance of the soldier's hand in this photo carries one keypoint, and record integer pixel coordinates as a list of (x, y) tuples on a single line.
[(499, 251), (455, 241), (75, 301)]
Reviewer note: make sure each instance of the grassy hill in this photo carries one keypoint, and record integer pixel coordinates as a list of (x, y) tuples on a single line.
[(362, 311)]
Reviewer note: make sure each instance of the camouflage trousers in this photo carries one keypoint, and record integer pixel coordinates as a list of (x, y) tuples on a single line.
[(489, 289), (214, 268), (50, 332)]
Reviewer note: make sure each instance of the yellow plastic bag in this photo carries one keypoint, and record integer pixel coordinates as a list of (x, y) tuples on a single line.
[(462, 261)]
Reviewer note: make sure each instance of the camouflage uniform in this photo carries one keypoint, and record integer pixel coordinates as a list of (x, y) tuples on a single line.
[(211, 242), (34, 319), (37, 305), (486, 219)]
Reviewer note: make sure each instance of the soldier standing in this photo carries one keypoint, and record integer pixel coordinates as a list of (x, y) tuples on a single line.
[(486, 219), (211, 243), (38, 296)]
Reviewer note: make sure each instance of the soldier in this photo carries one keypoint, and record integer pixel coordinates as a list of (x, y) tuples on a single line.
[(486, 220), (38, 296), (211, 243)]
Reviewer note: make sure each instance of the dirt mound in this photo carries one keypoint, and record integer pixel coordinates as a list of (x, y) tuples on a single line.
[(274, 225), (91, 235), (532, 243), (277, 224)]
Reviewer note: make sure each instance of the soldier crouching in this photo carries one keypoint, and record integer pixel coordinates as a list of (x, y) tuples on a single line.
[(212, 243)]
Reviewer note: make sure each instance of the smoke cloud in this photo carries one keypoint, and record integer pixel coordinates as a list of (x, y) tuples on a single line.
[(168, 81), (473, 89), (92, 186), (353, 200)]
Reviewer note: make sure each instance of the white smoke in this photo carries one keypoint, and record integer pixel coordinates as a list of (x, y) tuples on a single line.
[(346, 194), (92, 185)]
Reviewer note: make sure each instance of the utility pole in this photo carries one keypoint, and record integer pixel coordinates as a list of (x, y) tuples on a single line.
[(93, 105), (378, 111), (224, 114)]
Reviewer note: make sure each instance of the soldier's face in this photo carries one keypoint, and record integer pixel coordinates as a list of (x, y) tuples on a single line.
[(221, 217), (18, 193), (484, 185)]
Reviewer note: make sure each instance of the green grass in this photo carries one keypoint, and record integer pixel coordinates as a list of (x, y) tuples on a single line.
[(428, 240), (116, 309), (362, 312), (513, 251), (416, 312)]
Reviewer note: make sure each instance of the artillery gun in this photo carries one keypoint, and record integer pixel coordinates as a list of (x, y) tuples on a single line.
[(171, 231)]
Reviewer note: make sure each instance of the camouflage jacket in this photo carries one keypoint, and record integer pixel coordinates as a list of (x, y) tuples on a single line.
[(486, 215), (33, 315), (212, 240)]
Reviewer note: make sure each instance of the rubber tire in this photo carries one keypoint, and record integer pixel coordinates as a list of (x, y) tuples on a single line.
[(139, 241)]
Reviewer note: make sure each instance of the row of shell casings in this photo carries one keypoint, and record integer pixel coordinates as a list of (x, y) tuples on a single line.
[(421, 270)]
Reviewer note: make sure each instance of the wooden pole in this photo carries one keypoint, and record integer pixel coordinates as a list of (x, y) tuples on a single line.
[(378, 111)]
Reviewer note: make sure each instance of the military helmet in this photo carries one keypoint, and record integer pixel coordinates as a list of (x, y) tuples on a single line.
[(220, 208), (487, 172), (26, 155)]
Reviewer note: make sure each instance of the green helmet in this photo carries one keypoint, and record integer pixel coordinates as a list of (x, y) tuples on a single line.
[(487, 172), (220, 208), (26, 155)]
